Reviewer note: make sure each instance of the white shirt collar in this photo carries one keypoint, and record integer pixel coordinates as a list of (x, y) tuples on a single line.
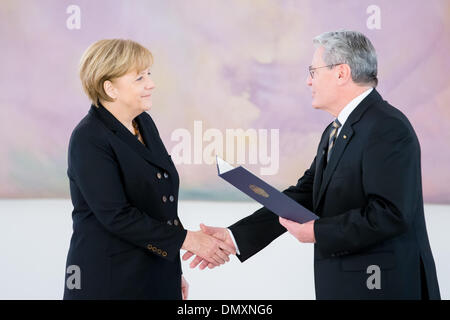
[(345, 113)]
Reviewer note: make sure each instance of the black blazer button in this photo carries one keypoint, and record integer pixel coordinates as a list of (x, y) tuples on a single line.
[(158, 175), (169, 222), (166, 175), (164, 199), (171, 198), (175, 222)]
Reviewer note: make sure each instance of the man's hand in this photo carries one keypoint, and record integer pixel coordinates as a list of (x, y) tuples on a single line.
[(304, 232), (207, 247), (221, 234)]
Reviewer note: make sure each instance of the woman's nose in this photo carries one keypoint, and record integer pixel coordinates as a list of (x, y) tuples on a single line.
[(150, 84)]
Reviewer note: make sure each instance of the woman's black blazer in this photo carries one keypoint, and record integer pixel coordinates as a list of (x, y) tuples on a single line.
[(126, 232)]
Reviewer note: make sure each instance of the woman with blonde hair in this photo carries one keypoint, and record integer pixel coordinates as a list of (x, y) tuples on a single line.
[(127, 234)]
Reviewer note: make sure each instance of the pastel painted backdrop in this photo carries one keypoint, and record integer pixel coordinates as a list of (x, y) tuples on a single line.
[(234, 64)]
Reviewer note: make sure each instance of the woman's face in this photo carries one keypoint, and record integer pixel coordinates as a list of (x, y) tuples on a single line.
[(134, 90)]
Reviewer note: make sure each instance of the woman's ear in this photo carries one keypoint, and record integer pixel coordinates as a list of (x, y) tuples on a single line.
[(109, 89)]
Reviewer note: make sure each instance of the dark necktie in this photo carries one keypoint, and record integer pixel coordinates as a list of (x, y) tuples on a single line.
[(332, 138)]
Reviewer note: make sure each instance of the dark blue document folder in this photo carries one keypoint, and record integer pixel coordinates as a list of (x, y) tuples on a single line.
[(268, 196)]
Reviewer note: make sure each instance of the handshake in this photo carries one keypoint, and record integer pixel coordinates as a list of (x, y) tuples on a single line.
[(212, 247)]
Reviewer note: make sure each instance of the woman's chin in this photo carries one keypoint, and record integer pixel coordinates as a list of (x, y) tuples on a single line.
[(147, 106)]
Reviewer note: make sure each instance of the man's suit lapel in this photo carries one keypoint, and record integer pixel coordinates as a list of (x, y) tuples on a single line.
[(151, 155), (339, 147), (341, 143)]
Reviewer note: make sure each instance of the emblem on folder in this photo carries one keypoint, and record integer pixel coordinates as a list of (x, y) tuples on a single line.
[(258, 191)]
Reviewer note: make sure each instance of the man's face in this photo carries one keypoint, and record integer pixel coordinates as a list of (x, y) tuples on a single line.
[(323, 84)]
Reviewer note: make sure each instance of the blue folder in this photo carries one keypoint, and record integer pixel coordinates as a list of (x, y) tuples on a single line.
[(268, 196)]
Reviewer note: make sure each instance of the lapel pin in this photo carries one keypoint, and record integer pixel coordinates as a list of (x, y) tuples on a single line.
[(345, 137)]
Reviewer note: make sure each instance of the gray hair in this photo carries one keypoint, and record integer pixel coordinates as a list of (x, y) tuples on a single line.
[(354, 49)]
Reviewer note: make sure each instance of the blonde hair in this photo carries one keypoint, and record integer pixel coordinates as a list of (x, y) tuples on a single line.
[(109, 59)]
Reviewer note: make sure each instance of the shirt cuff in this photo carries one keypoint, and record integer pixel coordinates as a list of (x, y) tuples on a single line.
[(234, 242)]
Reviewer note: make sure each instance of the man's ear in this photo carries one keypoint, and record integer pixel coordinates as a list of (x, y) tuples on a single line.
[(109, 89), (344, 73)]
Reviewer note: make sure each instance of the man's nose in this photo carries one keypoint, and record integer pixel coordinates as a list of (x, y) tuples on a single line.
[(309, 80)]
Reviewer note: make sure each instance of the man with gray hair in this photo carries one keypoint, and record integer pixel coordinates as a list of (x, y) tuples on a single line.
[(365, 184)]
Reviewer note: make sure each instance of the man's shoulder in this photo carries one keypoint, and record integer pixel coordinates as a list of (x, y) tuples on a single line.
[(382, 113), (383, 120)]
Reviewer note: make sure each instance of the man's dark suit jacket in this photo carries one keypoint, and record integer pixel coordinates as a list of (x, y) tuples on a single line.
[(126, 232), (369, 200)]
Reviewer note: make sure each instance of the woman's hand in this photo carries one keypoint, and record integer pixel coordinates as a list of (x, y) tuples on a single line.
[(207, 247), (184, 288), (218, 233)]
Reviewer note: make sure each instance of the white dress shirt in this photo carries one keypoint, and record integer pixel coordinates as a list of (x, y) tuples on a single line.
[(348, 109)]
